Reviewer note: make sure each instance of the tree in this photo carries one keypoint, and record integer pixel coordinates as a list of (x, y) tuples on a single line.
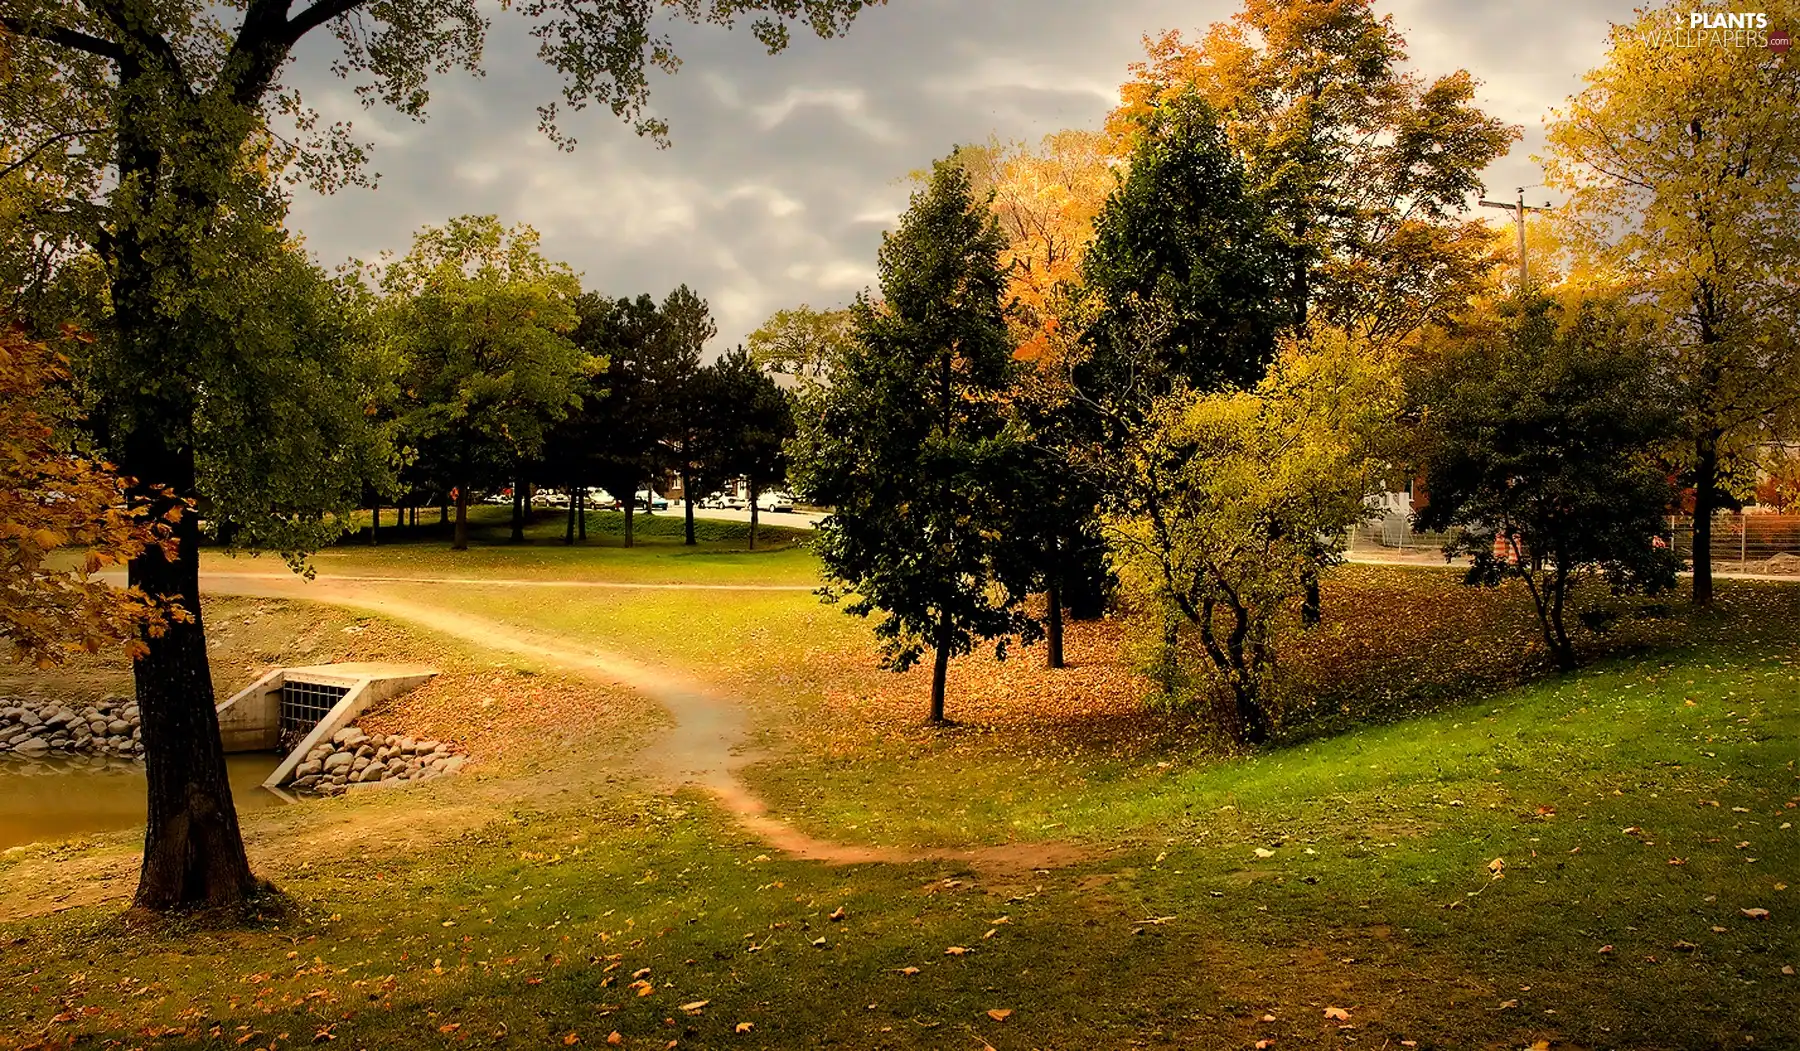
[(1046, 200), (1539, 449), (1364, 166), (1183, 244), (53, 501), (1683, 169), (1224, 499), (801, 342), (479, 319), (687, 325), (143, 114), (750, 421), (910, 447)]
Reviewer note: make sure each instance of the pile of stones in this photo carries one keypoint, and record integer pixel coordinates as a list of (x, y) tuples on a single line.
[(353, 758), (36, 728)]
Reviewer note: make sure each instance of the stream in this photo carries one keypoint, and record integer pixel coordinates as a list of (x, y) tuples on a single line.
[(56, 799)]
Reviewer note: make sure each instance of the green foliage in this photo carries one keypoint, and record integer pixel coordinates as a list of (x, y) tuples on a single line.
[(1182, 246), (479, 320), (1539, 439), (910, 446), (802, 342), (747, 421), (1679, 192), (1226, 503)]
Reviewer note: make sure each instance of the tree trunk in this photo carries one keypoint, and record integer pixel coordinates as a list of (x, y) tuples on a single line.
[(375, 523), (581, 518), (940, 671), (1310, 610), (687, 503), (193, 851), (443, 510), (1053, 608), (460, 541), (569, 531), (1706, 472), (1560, 647), (630, 506), (753, 495)]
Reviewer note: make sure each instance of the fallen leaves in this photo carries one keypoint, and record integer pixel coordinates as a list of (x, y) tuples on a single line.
[(999, 1014), (908, 971), (696, 1007), (838, 914), (1337, 1014), (1263, 852), (1756, 913), (956, 950), (743, 1027)]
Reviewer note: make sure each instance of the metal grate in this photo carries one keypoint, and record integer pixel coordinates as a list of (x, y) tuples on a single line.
[(303, 704)]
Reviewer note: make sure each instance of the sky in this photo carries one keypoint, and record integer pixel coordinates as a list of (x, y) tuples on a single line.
[(783, 171)]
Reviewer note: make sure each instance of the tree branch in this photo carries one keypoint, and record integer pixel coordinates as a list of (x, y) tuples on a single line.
[(317, 15), (42, 146), (63, 36)]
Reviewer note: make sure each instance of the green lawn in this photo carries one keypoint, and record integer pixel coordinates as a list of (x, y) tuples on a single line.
[(1454, 850), (658, 555)]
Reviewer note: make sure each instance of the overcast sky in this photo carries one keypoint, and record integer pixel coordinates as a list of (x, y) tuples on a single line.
[(784, 170)]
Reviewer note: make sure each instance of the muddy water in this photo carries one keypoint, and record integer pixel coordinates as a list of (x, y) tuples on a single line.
[(56, 799)]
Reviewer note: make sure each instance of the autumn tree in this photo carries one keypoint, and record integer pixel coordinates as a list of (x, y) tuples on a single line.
[(1683, 168), (910, 446), (1539, 446), (1221, 503), (143, 111), (55, 502), (479, 318), (1365, 166)]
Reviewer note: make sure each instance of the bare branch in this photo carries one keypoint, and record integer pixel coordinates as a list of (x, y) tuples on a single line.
[(42, 146)]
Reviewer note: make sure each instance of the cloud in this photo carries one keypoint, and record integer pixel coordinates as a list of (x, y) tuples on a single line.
[(784, 171)]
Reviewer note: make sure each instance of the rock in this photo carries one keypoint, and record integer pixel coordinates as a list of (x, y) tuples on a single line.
[(344, 735), (118, 727), (319, 752), (306, 784), (32, 746), (131, 713), (338, 762), (309, 768), (27, 717), (427, 746), (59, 718), (455, 763), (98, 726), (366, 752)]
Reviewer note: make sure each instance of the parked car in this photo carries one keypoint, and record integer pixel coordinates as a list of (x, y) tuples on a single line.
[(777, 503)]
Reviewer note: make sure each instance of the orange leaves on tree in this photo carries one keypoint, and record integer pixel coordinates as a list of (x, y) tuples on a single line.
[(55, 502)]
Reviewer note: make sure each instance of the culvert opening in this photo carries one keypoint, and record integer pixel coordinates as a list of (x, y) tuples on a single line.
[(303, 704)]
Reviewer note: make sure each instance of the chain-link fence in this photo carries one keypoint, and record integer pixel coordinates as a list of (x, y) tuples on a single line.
[(1748, 542)]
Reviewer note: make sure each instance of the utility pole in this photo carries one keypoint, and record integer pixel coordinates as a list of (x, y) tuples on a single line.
[(1518, 210)]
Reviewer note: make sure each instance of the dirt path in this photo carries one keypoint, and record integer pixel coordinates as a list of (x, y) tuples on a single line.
[(707, 746)]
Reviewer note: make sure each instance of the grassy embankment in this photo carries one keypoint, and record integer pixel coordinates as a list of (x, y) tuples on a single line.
[(1636, 810)]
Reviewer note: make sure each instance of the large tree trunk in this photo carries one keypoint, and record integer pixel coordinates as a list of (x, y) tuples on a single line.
[(444, 511), (460, 542), (687, 502), (630, 506), (574, 506), (1706, 475), (581, 517), (193, 851), (940, 671)]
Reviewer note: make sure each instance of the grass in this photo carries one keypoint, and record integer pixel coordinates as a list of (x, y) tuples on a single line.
[(1635, 809), (658, 555)]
